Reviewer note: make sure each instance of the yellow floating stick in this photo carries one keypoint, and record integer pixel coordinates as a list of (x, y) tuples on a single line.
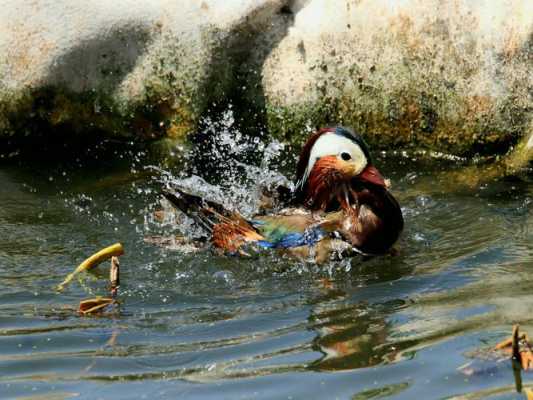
[(93, 261)]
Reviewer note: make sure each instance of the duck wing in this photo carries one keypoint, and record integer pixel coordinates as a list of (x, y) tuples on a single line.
[(289, 230), (229, 230)]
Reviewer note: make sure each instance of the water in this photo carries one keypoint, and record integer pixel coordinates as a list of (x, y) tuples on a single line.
[(202, 326)]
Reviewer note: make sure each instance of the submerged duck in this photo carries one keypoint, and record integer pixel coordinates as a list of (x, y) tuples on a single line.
[(340, 203)]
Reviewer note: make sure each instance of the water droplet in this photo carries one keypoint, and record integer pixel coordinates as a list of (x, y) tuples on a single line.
[(225, 276), (423, 201)]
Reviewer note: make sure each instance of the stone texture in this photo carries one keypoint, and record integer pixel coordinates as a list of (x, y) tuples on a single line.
[(453, 75), (124, 67)]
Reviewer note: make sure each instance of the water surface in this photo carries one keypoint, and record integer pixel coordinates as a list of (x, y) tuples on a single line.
[(202, 326)]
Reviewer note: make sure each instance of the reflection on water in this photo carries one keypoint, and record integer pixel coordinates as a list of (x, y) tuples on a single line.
[(197, 325)]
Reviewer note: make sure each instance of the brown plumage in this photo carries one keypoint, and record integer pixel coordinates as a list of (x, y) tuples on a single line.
[(373, 224), (360, 201), (341, 201), (324, 183), (232, 235), (228, 229)]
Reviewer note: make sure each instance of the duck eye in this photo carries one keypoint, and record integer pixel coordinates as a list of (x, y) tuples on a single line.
[(346, 156)]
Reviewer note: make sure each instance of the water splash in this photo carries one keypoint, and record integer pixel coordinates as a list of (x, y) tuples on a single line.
[(243, 164)]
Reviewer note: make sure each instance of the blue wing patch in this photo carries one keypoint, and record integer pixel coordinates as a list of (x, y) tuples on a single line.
[(308, 238)]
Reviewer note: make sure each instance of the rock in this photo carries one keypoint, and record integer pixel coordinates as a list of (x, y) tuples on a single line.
[(451, 75), (124, 68)]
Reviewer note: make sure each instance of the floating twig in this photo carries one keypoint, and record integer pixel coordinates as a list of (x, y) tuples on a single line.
[(98, 304), (515, 343), (92, 261), (519, 347), (114, 276), (91, 306)]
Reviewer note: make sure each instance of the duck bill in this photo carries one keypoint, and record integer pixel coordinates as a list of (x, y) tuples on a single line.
[(371, 175)]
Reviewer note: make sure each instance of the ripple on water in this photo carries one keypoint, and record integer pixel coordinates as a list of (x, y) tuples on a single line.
[(396, 326)]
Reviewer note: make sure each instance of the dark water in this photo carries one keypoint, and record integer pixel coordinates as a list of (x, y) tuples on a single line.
[(201, 326)]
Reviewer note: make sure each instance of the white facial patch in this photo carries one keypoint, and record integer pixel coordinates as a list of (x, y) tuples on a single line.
[(331, 144)]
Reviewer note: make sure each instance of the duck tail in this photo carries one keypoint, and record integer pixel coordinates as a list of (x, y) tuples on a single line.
[(228, 229), (201, 211)]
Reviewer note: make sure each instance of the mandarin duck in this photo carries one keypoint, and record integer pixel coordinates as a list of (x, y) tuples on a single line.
[(340, 204)]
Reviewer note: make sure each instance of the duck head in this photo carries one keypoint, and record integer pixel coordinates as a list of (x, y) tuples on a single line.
[(331, 162)]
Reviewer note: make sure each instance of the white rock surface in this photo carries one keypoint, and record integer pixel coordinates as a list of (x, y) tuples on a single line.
[(121, 55), (448, 73), (451, 74)]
